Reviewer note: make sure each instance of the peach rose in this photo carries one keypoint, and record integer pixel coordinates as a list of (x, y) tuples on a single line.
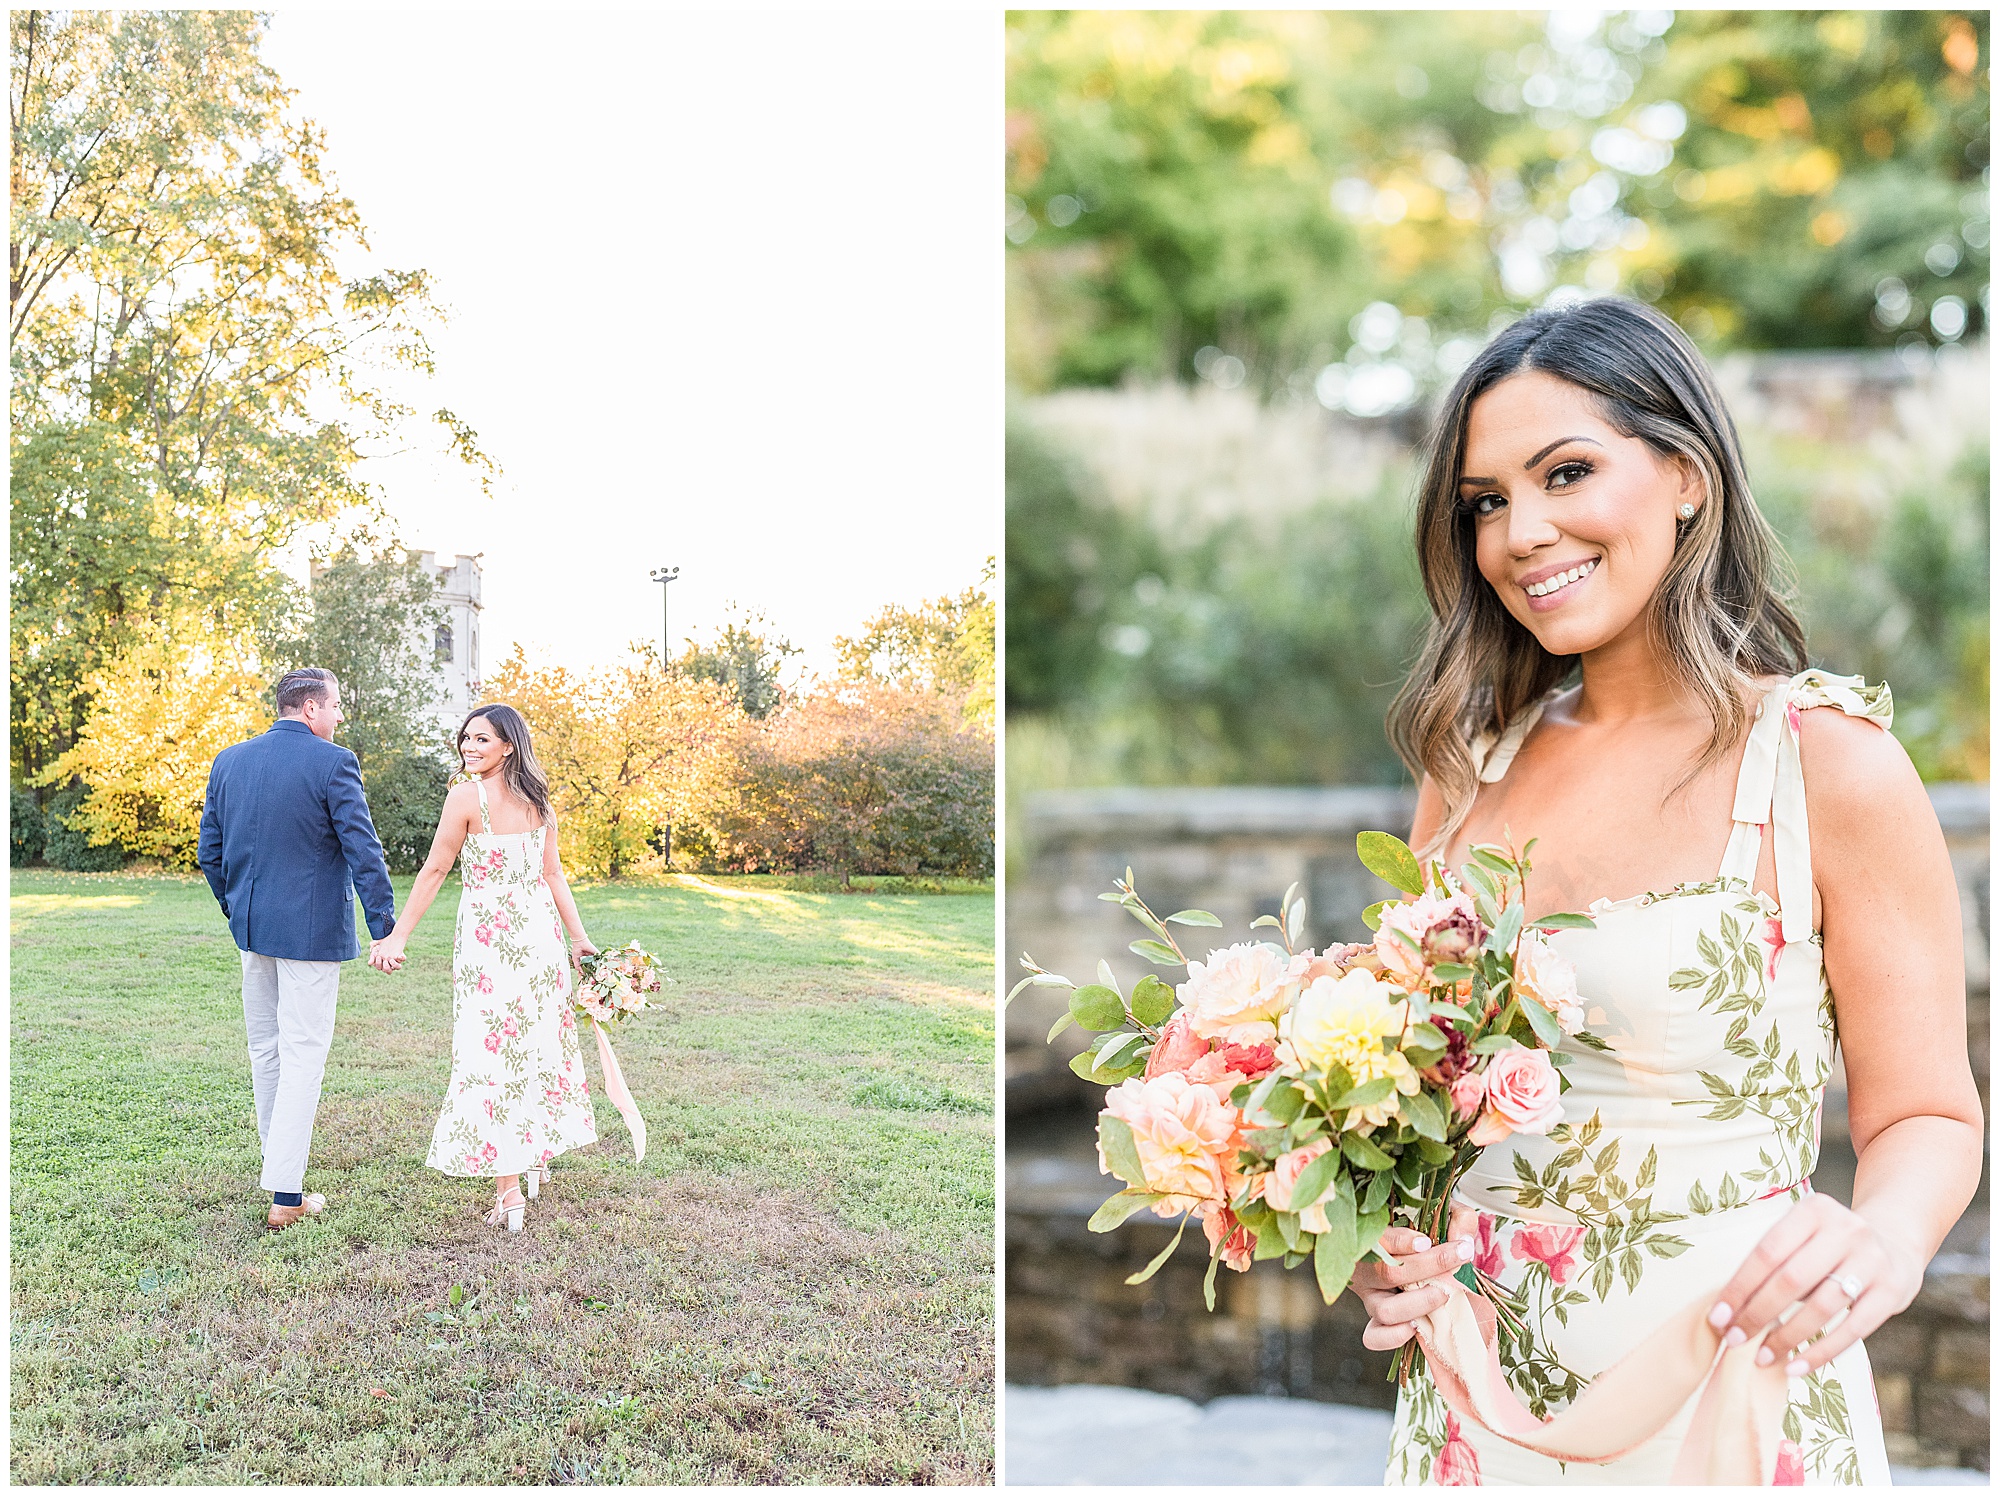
[(1285, 1173), (1229, 1238), (1547, 977), (1237, 994), (1523, 1094), (1183, 1132), (1176, 1049)]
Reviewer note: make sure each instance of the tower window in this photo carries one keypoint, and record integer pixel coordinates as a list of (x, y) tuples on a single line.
[(444, 644)]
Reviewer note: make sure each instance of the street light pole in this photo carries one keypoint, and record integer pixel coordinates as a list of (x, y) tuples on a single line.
[(663, 575)]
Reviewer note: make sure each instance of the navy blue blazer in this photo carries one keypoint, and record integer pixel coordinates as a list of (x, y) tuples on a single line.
[(285, 842)]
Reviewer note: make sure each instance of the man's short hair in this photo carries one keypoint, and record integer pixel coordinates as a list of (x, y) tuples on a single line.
[(300, 686)]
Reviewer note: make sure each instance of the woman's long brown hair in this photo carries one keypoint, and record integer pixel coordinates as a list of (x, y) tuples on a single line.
[(523, 774), (1720, 614)]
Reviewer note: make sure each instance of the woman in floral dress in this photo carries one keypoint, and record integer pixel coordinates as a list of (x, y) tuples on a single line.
[(518, 1095), (1613, 671)]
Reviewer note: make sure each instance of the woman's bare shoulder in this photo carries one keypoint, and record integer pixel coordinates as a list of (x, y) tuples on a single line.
[(1860, 782)]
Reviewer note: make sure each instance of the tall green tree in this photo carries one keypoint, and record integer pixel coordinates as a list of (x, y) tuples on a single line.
[(194, 379), (747, 656)]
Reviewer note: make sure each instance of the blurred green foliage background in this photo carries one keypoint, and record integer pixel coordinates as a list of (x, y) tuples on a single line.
[(1246, 250)]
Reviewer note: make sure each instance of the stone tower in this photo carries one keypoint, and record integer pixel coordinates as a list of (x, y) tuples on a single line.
[(456, 645)]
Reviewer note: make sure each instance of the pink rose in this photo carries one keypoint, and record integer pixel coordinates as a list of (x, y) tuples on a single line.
[(1228, 1238), (1774, 937), (484, 935), (1791, 1469), (493, 1044), (1176, 1049), (1487, 1256), (1468, 1091), (484, 984), (1183, 1133), (1285, 1174), (1554, 1246), (1523, 1094), (510, 1030), (500, 922), (1457, 1464)]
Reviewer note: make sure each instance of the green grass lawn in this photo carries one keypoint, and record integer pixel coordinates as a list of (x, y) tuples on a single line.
[(795, 1286)]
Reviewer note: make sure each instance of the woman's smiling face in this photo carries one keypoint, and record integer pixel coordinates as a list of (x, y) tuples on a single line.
[(1574, 523)]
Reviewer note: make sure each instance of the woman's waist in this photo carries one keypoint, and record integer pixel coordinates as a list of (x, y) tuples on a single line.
[(1652, 1165)]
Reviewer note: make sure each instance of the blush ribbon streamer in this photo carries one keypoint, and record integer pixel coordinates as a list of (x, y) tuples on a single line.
[(614, 1087), (1731, 1440)]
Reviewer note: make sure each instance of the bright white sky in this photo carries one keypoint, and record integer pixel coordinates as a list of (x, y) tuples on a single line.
[(726, 295)]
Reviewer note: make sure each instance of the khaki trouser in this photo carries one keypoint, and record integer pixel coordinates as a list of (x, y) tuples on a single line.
[(288, 1014)]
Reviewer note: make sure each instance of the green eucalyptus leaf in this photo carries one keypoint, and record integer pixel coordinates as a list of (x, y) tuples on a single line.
[(1156, 951), (1422, 1112), (1390, 859), (1195, 917), (1315, 1179), (1097, 1008), (1284, 1103), (1543, 1022), (1372, 915), (1160, 1261), (1114, 1136), (1152, 1001), (1368, 1094), (1060, 1024), (1126, 1203), (1565, 922), (1363, 1154)]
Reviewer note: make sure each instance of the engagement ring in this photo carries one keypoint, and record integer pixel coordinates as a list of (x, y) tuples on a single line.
[(1848, 1284)]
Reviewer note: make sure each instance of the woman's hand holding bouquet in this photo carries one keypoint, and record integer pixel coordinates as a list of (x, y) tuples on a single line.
[(1297, 1102)]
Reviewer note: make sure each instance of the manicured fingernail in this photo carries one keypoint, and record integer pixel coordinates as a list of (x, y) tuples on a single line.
[(1796, 1367), (1719, 1315), (1734, 1338), (1465, 1251), (1423, 1242), (1765, 1355)]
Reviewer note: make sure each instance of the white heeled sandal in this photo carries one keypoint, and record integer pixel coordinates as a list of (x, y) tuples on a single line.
[(535, 1179), (508, 1210)]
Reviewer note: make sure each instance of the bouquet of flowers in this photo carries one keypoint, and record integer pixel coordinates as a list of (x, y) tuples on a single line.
[(612, 986), (1295, 1101), (615, 984)]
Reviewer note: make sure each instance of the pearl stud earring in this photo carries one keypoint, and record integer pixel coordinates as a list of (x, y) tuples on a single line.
[(1687, 511)]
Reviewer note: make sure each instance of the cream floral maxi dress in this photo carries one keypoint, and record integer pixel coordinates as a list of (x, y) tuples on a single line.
[(1683, 1144), (518, 1094)]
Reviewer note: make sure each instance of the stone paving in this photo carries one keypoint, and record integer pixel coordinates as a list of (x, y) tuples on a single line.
[(1121, 1436)]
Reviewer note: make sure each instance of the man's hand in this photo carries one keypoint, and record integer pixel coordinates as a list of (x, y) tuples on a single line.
[(386, 954)]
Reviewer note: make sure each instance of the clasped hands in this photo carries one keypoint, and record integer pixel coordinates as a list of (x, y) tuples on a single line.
[(386, 954), (1810, 1263)]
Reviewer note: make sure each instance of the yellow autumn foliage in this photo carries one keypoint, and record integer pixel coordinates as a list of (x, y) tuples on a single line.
[(160, 712)]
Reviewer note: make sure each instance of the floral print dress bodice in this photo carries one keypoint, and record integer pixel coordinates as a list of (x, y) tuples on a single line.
[(1685, 1138), (518, 1093)]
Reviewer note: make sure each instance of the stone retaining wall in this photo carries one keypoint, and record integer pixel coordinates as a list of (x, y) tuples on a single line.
[(1070, 1317)]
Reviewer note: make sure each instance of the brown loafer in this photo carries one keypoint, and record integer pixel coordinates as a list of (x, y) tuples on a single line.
[(282, 1216)]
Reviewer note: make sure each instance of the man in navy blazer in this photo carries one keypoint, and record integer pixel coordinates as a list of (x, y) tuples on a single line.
[(286, 840)]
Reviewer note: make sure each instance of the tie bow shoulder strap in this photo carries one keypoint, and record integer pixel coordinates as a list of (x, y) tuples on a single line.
[(1771, 790)]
